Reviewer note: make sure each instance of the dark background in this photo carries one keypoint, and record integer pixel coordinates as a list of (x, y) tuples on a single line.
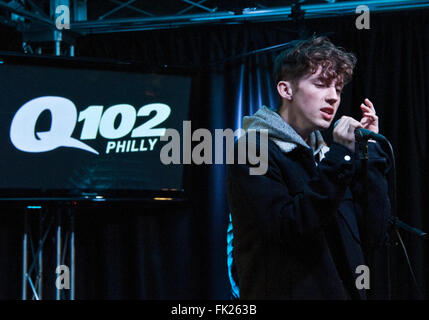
[(179, 252)]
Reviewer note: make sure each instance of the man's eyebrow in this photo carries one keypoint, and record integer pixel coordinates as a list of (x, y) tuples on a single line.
[(324, 80), (329, 80), (321, 79)]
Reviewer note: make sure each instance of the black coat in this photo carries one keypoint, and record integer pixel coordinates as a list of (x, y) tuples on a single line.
[(301, 229)]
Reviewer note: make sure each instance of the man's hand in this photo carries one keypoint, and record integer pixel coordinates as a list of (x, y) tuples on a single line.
[(344, 132), (369, 119)]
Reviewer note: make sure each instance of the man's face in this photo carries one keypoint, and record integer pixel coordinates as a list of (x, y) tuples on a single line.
[(315, 101)]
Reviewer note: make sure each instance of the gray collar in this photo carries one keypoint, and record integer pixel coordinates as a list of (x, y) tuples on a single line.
[(282, 134)]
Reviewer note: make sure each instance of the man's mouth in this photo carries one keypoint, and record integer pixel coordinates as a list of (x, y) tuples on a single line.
[(327, 112)]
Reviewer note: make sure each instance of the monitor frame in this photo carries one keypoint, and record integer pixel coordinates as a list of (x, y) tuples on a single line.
[(91, 196)]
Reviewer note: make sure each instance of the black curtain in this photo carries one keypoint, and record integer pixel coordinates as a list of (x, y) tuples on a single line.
[(173, 253)]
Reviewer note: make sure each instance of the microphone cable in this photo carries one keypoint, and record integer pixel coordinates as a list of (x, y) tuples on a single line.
[(393, 222)]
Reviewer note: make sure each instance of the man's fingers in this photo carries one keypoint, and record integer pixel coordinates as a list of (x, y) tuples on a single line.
[(367, 109), (344, 131), (368, 112), (341, 124), (371, 115), (347, 121), (369, 104), (347, 125)]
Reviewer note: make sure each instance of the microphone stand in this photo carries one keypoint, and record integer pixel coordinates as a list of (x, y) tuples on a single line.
[(396, 223), (362, 143)]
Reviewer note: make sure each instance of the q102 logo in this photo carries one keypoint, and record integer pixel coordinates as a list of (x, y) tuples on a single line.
[(64, 116)]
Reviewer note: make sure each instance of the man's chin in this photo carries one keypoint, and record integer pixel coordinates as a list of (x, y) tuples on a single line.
[(324, 125)]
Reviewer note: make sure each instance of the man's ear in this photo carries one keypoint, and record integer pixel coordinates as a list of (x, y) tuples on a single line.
[(284, 89)]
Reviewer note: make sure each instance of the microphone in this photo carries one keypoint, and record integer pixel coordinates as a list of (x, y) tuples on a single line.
[(362, 134)]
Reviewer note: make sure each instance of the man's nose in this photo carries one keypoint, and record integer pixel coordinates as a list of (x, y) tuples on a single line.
[(332, 95)]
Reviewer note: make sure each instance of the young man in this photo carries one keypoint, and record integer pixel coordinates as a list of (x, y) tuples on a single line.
[(303, 228)]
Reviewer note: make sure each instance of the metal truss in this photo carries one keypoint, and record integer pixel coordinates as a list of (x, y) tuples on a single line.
[(55, 222), (90, 17), (254, 14)]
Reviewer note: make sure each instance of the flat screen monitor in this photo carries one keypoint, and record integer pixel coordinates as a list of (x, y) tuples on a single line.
[(74, 127)]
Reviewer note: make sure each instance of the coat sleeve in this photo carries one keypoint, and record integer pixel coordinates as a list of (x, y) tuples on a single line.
[(371, 197), (264, 204)]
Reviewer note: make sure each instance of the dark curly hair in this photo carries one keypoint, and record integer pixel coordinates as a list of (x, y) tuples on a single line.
[(305, 56)]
